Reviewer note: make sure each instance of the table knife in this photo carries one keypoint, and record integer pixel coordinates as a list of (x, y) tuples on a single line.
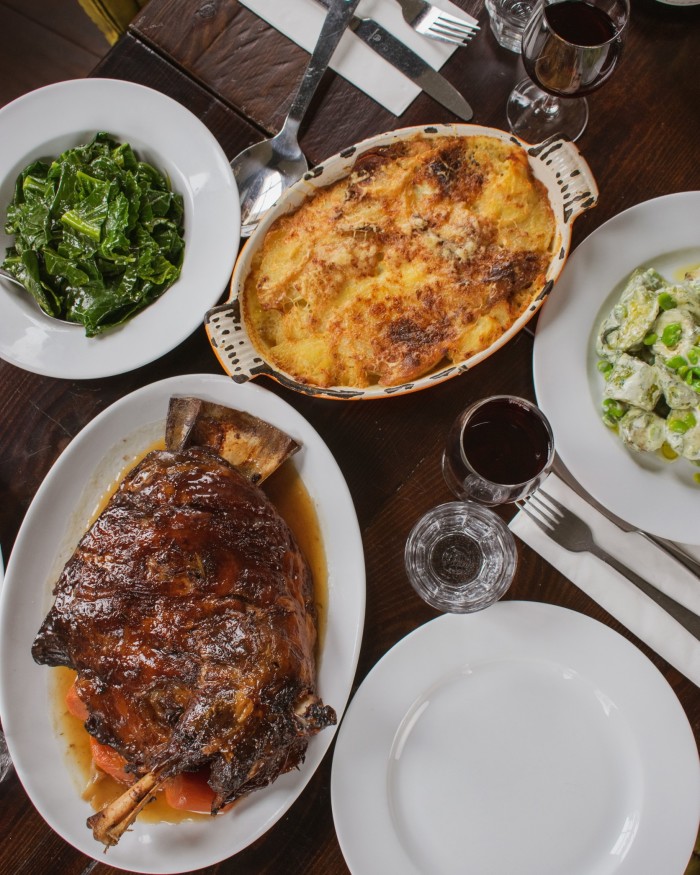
[(409, 63), (668, 547)]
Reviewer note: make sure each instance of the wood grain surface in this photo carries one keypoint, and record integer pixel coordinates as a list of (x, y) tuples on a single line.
[(42, 42)]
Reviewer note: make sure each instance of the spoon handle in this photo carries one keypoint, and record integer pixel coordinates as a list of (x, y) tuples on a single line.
[(334, 26), (6, 275)]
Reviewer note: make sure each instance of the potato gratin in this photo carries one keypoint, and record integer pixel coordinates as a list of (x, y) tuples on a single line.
[(424, 256)]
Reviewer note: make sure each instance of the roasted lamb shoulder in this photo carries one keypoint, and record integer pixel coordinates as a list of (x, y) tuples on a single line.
[(188, 612)]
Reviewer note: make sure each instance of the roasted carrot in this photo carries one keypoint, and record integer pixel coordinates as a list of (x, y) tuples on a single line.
[(189, 791), (111, 762), (75, 704)]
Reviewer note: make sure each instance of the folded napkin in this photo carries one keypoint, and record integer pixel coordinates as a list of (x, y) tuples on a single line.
[(616, 594), (301, 21)]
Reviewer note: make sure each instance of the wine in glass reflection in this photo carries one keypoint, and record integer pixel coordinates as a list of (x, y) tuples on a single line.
[(498, 450), (569, 48)]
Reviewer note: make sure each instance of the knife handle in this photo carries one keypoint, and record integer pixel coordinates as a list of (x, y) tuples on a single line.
[(687, 618), (678, 554)]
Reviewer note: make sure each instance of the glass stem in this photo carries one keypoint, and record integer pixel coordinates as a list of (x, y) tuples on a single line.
[(547, 105)]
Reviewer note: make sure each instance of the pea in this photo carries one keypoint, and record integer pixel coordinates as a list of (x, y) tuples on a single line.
[(681, 424), (668, 453), (672, 334), (613, 408)]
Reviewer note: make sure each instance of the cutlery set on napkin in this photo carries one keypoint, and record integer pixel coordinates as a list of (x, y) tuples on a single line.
[(620, 597), (383, 55)]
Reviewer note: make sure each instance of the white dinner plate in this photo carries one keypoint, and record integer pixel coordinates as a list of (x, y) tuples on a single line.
[(54, 523), (44, 123), (524, 739), (658, 496)]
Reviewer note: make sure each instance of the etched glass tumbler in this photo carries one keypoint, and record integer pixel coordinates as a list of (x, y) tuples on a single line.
[(460, 557)]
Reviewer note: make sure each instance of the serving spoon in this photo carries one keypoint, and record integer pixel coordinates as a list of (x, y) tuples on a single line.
[(264, 170), (5, 275)]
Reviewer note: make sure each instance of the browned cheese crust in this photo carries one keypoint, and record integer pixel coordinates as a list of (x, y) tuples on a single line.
[(424, 256)]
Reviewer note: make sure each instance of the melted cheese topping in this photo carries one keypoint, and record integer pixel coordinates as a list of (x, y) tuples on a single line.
[(424, 256)]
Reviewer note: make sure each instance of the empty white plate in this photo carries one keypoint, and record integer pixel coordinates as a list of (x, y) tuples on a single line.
[(526, 738)]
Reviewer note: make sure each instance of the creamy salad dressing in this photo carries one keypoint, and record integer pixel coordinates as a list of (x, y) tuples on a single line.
[(649, 349)]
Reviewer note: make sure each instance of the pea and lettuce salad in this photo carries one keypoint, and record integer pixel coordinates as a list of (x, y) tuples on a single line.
[(98, 234), (649, 349)]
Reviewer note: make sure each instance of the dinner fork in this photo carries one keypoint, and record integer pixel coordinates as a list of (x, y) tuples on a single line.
[(573, 534), (668, 547), (428, 20)]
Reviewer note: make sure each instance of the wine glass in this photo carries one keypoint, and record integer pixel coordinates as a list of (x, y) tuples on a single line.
[(569, 48), (498, 450)]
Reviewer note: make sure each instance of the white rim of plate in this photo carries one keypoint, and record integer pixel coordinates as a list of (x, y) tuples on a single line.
[(43, 123), (482, 742)]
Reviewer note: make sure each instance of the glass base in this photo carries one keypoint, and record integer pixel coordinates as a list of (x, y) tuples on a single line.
[(533, 115)]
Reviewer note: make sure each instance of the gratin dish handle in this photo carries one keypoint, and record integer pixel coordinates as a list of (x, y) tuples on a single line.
[(242, 362), (231, 344), (568, 169)]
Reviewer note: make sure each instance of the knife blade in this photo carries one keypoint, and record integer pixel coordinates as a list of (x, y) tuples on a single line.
[(409, 63)]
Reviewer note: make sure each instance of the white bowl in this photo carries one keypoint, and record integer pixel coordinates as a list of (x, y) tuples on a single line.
[(556, 162), (46, 122)]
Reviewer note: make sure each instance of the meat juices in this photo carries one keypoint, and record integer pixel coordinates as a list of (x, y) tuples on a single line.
[(188, 612)]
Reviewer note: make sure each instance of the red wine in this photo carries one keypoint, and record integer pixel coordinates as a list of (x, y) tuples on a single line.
[(573, 49), (505, 442), (580, 23)]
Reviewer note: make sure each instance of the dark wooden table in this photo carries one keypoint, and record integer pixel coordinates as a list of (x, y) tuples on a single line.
[(237, 75)]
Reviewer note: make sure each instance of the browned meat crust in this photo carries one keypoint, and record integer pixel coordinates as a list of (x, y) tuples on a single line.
[(187, 610)]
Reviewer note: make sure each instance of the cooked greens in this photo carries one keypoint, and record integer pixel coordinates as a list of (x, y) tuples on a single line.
[(649, 349), (98, 234)]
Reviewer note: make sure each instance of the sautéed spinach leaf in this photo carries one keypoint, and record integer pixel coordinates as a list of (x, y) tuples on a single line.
[(98, 234)]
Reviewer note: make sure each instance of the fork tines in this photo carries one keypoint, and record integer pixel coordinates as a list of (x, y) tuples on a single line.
[(431, 21), (449, 28), (544, 514)]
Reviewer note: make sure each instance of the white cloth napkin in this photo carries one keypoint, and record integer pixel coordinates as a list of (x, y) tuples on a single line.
[(301, 21), (615, 593)]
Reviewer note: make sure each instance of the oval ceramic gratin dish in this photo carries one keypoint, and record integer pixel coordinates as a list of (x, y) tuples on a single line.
[(557, 163)]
